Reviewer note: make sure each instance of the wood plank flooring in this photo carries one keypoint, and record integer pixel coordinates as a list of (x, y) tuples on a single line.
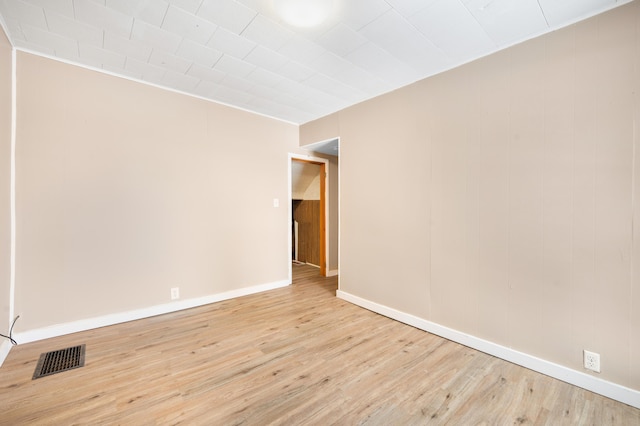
[(292, 356)]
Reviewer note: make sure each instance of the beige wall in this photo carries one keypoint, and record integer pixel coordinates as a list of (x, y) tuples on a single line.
[(5, 180), (501, 198), (320, 130), (313, 190), (125, 190)]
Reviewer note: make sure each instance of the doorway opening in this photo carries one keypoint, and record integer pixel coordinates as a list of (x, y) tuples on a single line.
[(308, 211)]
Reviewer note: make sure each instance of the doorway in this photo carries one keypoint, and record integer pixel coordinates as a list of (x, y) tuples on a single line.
[(308, 207)]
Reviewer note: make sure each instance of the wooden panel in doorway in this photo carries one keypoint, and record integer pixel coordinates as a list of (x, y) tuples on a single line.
[(307, 214)]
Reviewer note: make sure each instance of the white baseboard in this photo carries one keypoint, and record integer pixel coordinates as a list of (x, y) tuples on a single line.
[(332, 273), (111, 319), (5, 347), (568, 375)]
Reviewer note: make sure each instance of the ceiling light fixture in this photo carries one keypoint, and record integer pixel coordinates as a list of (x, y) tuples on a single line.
[(304, 13)]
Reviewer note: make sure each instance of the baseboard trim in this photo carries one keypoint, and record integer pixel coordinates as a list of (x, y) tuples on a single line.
[(332, 273), (112, 319), (5, 348), (610, 390)]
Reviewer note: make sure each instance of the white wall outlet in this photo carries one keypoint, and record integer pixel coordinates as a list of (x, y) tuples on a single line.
[(175, 293), (592, 361), (276, 202)]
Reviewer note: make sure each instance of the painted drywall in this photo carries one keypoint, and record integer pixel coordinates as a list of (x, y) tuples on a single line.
[(500, 199), (322, 129), (126, 190), (5, 180), (305, 181), (313, 190)]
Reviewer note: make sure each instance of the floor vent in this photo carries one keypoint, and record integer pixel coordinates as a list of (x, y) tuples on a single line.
[(59, 361)]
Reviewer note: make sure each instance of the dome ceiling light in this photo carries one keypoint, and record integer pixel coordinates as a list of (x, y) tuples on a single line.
[(304, 13)]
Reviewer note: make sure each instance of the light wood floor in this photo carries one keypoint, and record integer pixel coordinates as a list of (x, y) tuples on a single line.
[(296, 355)]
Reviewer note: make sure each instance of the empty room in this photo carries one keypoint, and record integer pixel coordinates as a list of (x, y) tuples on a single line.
[(314, 212)]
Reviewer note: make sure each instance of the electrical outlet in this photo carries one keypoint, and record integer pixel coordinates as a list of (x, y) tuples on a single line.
[(175, 293), (592, 361)]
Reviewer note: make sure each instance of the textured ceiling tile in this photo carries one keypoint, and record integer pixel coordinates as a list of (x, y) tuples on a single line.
[(146, 71), (190, 6), (24, 13), (269, 107), (335, 88), (506, 21), (305, 92), (260, 6), (198, 53), (260, 91), (367, 48), (227, 13), (115, 70), (63, 7), (234, 66), (266, 58), (101, 58), (127, 47), (342, 40), (382, 64), (34, 47), (265, 78), (452, 28), (166, 60), (409, 7), (558, 12), (187, 25), (231, 96), (361, 79), (301, 50), (99, 16), (227, 42), (13, 29), (294, 115), (237, 83), (178, 81), (64, 47), (294, 71), (293, 101), (330, 64), (205, 73), (392, 32), (290, 87), (152, 12), (155, 37), (266, 32), (131, 74), (263, 105), (68, 27), (206, 89), (358, 13)]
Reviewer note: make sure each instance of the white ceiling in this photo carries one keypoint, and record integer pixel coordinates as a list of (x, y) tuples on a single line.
[(328, 147), (241, 53)]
